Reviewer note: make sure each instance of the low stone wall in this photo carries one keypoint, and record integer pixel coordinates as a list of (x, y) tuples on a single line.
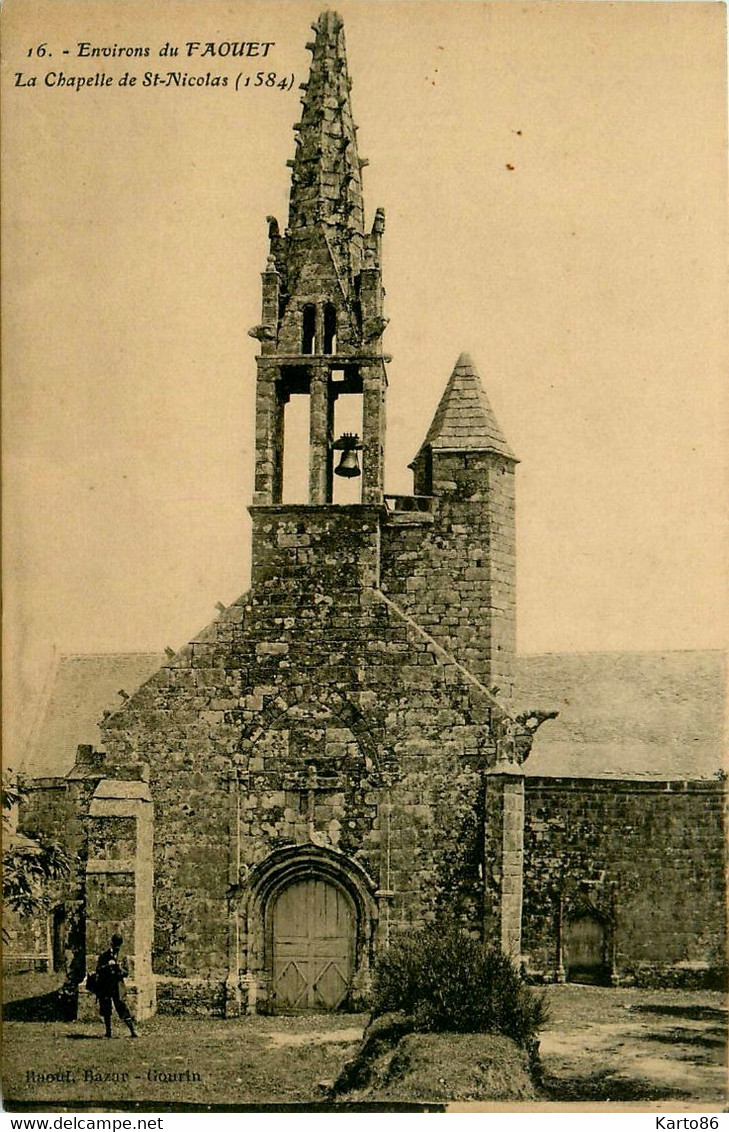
[(190, 996)]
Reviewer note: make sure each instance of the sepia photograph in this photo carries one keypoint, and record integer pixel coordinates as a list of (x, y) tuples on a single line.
[(365, 468)]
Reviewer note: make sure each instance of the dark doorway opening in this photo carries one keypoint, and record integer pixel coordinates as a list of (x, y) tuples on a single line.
[(586, 949)]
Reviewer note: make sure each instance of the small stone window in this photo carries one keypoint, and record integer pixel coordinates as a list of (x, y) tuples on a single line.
[(308, 329), (330, 328)]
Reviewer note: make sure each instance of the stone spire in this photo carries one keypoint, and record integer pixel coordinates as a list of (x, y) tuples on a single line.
[(326, 182), (464, 420)]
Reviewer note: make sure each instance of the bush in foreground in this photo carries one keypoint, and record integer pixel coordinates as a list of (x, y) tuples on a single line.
[(447, 981)]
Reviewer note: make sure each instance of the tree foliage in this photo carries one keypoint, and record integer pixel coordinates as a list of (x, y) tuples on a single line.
[(30, 865)]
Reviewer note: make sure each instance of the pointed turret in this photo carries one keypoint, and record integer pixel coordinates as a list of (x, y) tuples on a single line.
[(464, 583), (464, 420)]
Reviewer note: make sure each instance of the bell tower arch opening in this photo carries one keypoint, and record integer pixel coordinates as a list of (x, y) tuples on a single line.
[(295, 453), (330, 329), (308, 329), (347, 424)]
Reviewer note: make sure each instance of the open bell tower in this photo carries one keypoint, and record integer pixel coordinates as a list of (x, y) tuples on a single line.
[(322, 310)]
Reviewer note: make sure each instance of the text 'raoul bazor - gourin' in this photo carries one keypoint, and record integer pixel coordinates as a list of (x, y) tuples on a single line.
[(342, 754)]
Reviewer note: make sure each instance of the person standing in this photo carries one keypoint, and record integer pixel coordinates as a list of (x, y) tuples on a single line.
[(110, 987)]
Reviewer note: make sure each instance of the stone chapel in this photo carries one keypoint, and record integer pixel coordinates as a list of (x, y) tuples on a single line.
[(341, 754)]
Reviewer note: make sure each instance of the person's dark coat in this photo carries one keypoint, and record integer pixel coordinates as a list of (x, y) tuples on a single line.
[(109, 976), (110, 990)]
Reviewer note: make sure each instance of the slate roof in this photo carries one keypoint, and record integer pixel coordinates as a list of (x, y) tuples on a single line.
[(648, 715), (82, 688), (464, 420), (622, 714)]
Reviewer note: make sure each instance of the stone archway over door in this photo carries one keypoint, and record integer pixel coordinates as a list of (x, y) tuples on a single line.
[(313, 945)]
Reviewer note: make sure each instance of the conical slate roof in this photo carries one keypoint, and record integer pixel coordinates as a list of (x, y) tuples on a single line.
[(326, 183), (464, 420)]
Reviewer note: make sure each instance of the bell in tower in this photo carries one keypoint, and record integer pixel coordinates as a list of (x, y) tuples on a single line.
[(348, 466)]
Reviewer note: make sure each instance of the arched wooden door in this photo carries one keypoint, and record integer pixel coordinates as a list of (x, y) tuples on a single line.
[(313, 946)]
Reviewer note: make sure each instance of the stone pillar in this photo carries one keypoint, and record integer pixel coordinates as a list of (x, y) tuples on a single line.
[(233, 980), (374, 383), (269, 436), (370, 291), (119, 888), (560, 975), (500, 561), (504, 857), (270, 280), (320, 437)]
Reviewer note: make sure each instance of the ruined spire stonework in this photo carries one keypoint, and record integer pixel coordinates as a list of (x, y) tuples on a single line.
[(326, 184)]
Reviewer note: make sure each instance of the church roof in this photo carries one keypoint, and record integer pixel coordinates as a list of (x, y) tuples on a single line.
[(464, 420), (644, 715), (82, 688)]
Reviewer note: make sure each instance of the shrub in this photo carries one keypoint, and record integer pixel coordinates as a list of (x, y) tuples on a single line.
[(446, 980)]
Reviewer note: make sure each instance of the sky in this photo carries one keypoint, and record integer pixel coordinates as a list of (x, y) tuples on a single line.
[(554, 180)]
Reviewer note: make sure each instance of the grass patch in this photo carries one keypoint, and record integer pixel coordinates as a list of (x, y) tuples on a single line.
[(606, 1045), (693, 1013), (449, 1067), (627, 1044), (604, 1085), (176, 1061)]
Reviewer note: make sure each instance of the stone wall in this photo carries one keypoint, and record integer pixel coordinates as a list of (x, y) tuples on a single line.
[(649, 854), (311, 712), (55, 808), (300, 550), (191, 996), (27, 943), (455, 571), (48, 809), (415, 831)]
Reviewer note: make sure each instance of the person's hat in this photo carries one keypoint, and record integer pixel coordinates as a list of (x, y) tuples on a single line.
[(116, 940)]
